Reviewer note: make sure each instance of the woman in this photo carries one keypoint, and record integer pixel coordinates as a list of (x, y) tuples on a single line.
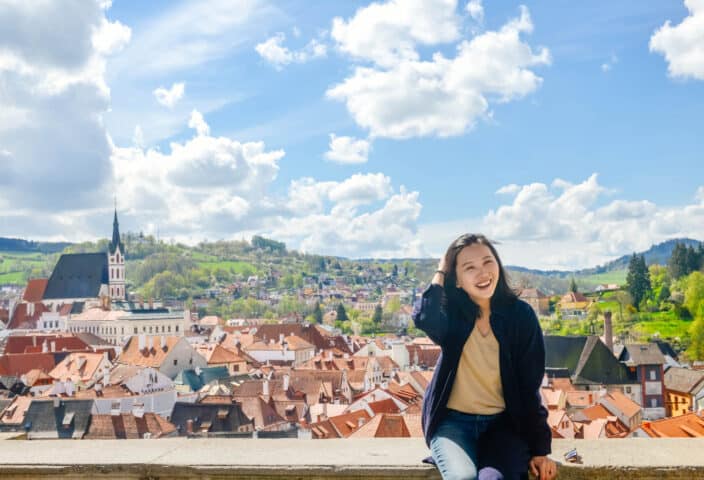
[(482, 414)]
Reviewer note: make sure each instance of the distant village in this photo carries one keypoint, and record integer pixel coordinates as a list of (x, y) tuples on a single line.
[(82, 358)]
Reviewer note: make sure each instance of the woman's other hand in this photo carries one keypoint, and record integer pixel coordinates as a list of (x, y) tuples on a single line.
[(440, 273), (543, 468)]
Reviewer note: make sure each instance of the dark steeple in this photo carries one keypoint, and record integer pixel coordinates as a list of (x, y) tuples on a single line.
[(116, 236)]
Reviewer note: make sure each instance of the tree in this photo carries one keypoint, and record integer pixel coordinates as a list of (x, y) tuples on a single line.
[(341, 313), (573, 285), (638, 279), (378, 314), (678, 261), (318, 313), (694, 292)]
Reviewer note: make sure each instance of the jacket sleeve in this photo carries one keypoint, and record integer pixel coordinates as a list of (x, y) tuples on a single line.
[(530, 364), (430, 316)]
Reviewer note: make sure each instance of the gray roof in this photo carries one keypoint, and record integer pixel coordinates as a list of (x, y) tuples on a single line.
[(642, 354), (587, 359), (684, 380), (211, 417), (78, 275), (68, 419)]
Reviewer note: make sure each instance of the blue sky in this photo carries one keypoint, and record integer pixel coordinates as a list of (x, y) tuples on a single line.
[(568, 132)]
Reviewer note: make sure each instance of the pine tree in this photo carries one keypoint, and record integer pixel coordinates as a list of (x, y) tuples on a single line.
[(341, 313), (678, 261), (318, 313), (573, 286), (638, 279), (378, 314)]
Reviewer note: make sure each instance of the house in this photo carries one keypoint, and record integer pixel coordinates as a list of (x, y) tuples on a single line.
[(13, 415), (387, 425), (218, 356), (597, 422), (589, 365), (82, 369), (206, 419), (118, 425), (339, 426), (689, 425), (57, 418), (573, 305), (560, 424), (684, 391), (646, 362), (169, 354), (537, 300), (291, 350), (626, 410)]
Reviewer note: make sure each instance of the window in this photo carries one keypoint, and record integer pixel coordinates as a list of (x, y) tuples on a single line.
[(144, 329), (150, 329), (169, 328), (136, 330), (652, 374), (653, 403), (177, 328), (628, 389), (175, 361), (190, 362)]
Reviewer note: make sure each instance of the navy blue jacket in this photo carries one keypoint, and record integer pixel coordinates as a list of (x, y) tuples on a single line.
[(521, 364)]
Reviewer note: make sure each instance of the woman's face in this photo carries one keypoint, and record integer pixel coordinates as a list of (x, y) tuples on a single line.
[(477, 272)]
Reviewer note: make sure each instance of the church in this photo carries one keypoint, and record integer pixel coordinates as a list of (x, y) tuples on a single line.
[(87, 292), (86, 277)]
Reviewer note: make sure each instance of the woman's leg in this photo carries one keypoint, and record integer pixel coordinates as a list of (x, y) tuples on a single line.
[(454, 448)]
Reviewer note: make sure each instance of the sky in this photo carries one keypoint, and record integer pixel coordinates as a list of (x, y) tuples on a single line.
[(569, 133)]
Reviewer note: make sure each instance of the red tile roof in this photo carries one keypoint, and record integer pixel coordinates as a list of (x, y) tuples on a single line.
[(126, 425), (22, 319), (685, 426), (35, 290), (19, 364)]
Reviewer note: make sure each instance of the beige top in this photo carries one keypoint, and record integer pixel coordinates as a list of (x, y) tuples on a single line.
[(477, 388)]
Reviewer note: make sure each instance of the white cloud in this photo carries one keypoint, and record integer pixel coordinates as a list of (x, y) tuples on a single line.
[(700, 194), (215, 187), (683, 44), (273, 51), (607, 66), (475, 10), (138, 137), (402, 96), (170, 97), (53, 97), (510, 189), (197, 123), (388, 32), (111, 37), (347, 150)]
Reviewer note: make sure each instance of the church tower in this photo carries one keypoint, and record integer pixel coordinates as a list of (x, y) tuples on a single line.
[(116, 264)]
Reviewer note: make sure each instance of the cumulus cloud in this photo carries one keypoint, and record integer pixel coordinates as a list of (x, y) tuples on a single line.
[(53, 96), (509, 189), (170, 97), (273, 51), (568, 225), (215, 187), (403, 96), (347, 150), (683, 44)]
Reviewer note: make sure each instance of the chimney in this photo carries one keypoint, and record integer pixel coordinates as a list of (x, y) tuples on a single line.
[(281, 337), (265, 388), (287, 377), (57, 402), (34, 340), (189, 427), (360, 422), (45, 346), (106, 375), (163, 342), (138, 410), (115, 409), (608, 331), (53, 346), (142, 339)]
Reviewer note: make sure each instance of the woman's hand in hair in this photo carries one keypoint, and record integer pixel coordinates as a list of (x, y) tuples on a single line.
[(440, 273), (543, 468)]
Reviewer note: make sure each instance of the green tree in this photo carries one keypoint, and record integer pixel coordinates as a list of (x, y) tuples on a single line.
[(318, 313), (573, 285), (696, 331), (341, 313), (677, 264), (694, 292), (638, 279), (378, 314)]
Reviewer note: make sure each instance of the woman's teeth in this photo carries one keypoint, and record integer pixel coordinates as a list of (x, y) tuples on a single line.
[(484, 284)]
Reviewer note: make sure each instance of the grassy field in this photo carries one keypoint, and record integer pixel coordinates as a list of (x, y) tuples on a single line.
[(616, 276), (17, 278), (233, 266), (16, 266)]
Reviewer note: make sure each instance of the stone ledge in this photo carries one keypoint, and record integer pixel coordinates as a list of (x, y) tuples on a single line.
[(182, 458)]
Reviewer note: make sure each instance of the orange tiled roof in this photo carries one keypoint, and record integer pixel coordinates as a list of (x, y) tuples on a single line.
[(15, 412), (384, 406), (623, 403), (152, 356), (685, 426), (35, 290), (19, 364), (385, 425), (79, 367)]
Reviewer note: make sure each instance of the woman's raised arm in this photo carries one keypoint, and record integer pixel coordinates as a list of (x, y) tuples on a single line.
[(428, 313)]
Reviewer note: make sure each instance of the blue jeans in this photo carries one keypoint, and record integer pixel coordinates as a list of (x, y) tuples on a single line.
[(455, 445)]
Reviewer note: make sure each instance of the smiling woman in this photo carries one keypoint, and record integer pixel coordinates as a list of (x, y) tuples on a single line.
[(482, 415)]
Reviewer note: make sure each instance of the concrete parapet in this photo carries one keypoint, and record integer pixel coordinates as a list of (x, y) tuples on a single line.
[(182, 458)]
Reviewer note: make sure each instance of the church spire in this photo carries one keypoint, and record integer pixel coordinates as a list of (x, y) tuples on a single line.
[(116, 235)]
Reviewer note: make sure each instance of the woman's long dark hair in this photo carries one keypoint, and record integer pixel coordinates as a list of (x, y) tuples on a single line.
[(458, 298)]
